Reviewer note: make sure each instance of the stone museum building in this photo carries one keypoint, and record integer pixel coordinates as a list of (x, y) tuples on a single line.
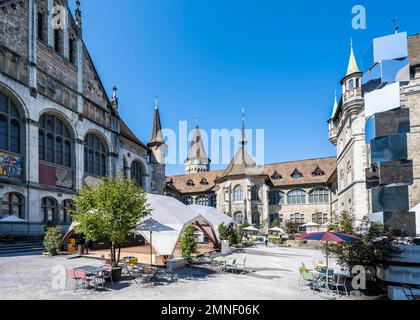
[(300, 191), (58, 127)]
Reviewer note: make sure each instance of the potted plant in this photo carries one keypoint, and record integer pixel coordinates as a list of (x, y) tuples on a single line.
[(188, 243), (111, 210), (52, 240)]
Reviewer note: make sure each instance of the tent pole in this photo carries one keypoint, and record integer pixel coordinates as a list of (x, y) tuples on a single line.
[(151, 251)]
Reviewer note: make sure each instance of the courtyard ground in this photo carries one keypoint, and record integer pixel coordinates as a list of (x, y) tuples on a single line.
[(275, 277)]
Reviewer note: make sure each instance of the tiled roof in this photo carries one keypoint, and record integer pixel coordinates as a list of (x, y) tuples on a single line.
[(310, 170), (127, 133)]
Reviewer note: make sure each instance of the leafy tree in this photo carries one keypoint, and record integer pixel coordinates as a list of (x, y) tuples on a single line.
[(188, 243), (343, 224), (222, 231), (275, 223), (374, 248), (234, 236), (291, 228), (111, 210), (52, 240)]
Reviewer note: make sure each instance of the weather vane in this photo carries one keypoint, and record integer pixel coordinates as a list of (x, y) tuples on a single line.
[(396, 27)]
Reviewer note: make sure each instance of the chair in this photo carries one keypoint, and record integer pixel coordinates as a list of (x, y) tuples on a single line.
[(71, 275), (86, 280), (306, 277), (339, 282), (231, 265), (241, 263)]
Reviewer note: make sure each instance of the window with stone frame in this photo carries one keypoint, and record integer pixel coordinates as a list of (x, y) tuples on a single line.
[(55, 141), (256, 219), (13, 204), (49, 210), (298, 218), (41, 26), (296, 197), (202, 201), (277, 198), (320, 218), (137, 172), (255, 193), (67, 210), (238, 194), (239, 218), (10, 126), (188, 200), (319, 195), (95, 156)]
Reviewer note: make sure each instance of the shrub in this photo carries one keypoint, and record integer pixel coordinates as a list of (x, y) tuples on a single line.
[(188, 243), (222, 231), (52, 240)]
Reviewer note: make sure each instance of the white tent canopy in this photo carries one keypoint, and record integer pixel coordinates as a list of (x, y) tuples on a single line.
[(13, 219), (176, 216), (215, 217), (416, 209)]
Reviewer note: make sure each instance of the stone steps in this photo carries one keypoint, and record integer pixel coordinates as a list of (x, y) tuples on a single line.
[(21, 247)]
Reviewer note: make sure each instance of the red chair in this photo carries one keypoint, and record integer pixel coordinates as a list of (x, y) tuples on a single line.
[(86, 280), (71, 275)]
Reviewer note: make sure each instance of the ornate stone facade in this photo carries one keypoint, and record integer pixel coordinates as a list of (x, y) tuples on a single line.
[(58, 128)]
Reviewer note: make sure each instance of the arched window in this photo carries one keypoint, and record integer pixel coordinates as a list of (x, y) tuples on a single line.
[(55, 141), (238, 194), (277, 198), (188, 200), (202, 201), (255, 193), (125, 168), (10, 126), (319, 195), (239, 218), (49, 209), (13, 205), (296, 197), (256, 219), (351, 84), (68, 208), (137, 173), (95, 156)]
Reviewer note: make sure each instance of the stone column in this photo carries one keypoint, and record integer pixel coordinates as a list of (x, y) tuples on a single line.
[(32, 154), (32, 47), (79, 163), (50, 31)]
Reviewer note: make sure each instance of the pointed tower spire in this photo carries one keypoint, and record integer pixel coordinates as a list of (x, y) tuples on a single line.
[(243, 140), (114, 100), (157, 137), (352, 67), (335, 107), (78, 15), (198, 160)]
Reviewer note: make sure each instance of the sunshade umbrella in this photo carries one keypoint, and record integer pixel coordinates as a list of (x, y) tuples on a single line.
[(151, 225), (328, 237), (252, 229), (276, 229)]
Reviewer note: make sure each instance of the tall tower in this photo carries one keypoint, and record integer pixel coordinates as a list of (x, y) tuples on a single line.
[(347, 133), (197, 160), (156, 143)]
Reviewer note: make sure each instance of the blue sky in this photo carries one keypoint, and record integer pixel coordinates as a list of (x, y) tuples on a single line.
[(280, 60)]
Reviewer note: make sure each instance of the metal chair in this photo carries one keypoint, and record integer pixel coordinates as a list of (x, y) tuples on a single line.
[(71, 275), (340, 282)]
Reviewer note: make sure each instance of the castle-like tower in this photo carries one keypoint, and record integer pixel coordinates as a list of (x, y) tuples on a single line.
[(197, 160), (347, 133)]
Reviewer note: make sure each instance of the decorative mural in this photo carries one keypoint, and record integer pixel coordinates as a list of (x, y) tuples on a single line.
[(10, 166)]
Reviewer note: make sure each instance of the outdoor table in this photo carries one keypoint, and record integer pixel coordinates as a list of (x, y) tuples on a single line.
[(90, 271)]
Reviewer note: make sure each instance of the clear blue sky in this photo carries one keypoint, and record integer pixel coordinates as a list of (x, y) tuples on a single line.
[(280, 60)]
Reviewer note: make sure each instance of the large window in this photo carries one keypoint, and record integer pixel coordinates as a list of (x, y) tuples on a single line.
[(320, 218), (10, 126), (255, 196), (202, 201), (95, 156), (188, 200), (296, 197), (55, 142), (239, 218), (297, 218), (137, 172), (13, 204), (49, 209), (238, 194), (319, 195), (68, 208), (256, 219), (277, 198)]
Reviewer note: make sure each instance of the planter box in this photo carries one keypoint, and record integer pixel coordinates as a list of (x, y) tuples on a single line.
[(175, 264)]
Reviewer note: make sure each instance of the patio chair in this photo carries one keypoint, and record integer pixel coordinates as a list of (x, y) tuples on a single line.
[(71, 276), (306, 277), (87, 281), (241, 264), (339, 282), (231, 265)]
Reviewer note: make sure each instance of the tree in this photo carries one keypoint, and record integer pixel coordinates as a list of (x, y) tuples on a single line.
[(111, 210), (291, 227), (275, 223), (52, 240), (222, 231), (188, 243), (234, 236), (343, 224)]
